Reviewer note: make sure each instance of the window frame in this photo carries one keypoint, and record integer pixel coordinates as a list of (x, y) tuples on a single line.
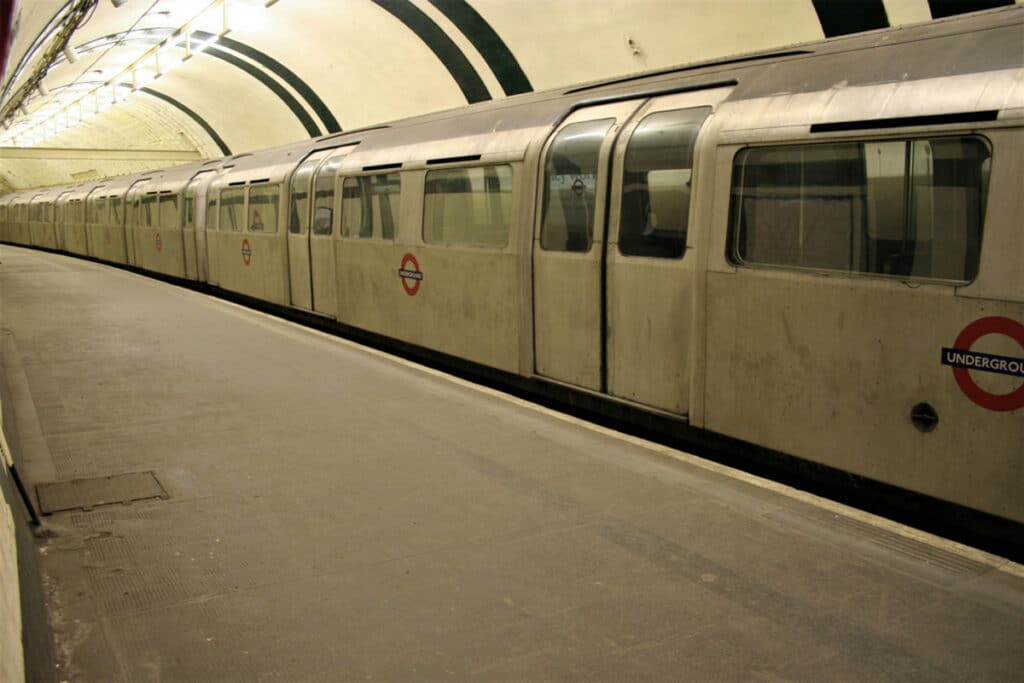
[(510, 223), (261, 189), (600, 173), (732, 240), (240, 219), (341, 202)]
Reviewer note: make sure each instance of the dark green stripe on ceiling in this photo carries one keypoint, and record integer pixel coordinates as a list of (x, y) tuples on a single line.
[(285, 74), (225, 150), (300, 112), (840, 17), (948, 8), (466, 77), (488, 43)]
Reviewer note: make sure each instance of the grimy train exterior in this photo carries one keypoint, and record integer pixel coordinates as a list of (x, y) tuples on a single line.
[(817, 251)]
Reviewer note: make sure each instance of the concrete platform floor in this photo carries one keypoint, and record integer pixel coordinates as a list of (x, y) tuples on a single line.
[(335, 514)]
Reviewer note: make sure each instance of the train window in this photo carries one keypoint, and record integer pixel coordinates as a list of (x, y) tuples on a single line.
[(323, 208), (907, 208), (168, 208), (656, 184), (148, 211), (230, 213), (298, 208), (98, 209), (468, 206), (299, 213), (263, 201), (323, 198), (211, 211), (570, 186), (76, 212), (188, 208), (116, 207), (369, 206)]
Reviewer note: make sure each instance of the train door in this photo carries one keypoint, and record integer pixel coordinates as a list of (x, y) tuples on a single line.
[(321, 238), (569, 247), (298, 231), (35, 221), (93, 219), (63, 218), (212, 226), (193, 236), (651, 262), (132, 209), (310, 229)]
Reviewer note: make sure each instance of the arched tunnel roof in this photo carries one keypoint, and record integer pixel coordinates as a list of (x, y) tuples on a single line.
[(95, 88)]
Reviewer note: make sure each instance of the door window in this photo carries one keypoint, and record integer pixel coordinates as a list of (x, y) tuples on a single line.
[(298, 205), (570, 186), (656, 183)]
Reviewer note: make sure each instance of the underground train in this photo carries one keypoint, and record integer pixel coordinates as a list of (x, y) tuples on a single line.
[(817, 250)]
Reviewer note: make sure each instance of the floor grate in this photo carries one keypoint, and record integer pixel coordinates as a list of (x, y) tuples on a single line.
[(85, 494)]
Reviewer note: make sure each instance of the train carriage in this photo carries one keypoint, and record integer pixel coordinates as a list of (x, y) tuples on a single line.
[(161, 220), (17, 229), (815, 250), (859, 229), (432, 243), (70, 204), (42, 218), (247, 249), (106, 217)]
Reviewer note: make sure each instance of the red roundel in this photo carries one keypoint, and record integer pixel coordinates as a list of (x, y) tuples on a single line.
[(976, 330), (159, 243), (410, 274), (246, 252)]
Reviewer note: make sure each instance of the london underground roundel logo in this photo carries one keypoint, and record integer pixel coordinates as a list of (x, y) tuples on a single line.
[(246, 252), (410, 274), (963, 360)]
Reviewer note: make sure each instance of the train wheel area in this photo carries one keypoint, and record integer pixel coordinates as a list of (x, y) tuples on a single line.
[(330, 511)]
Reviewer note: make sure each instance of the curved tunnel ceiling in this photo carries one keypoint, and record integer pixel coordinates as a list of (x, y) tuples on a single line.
[(285, 70)]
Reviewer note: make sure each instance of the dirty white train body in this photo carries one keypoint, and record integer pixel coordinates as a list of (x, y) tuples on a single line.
[(817, 251)]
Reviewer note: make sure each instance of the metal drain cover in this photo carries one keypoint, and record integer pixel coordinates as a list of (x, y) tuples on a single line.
[(85, 494)]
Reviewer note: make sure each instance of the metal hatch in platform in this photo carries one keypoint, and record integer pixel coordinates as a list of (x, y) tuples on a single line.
[(85, 494)]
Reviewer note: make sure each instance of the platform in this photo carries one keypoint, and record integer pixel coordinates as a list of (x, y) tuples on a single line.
[(332, 513)]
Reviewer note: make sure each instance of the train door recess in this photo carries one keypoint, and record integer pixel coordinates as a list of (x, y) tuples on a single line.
[(212, 226), (133, 212), (651, 263), (321, 234), (193, 239), (569, 246), (63, 217), (118, 219), (613, 285), (299, 212), (94, 207), (35, 209)]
